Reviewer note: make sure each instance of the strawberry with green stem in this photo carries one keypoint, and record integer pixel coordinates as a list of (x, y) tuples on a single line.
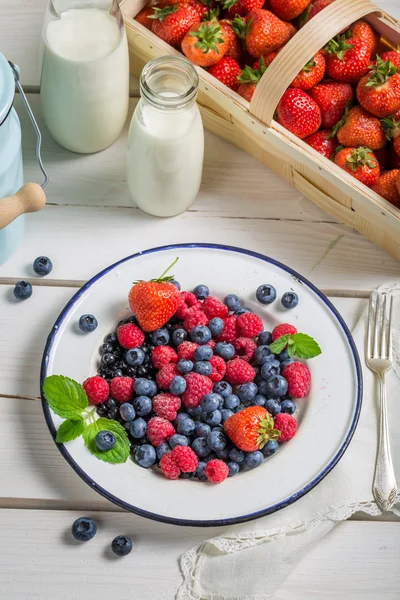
[(251, 428), (391, 127), (249, 79), (311, 74), (266, 32), (361, 163), (205, 44), (386, 186), (357, 127), (323, 143), (348, 58), (172, 22), (332, 97), (227, 71), (379, 91), (288, 9)]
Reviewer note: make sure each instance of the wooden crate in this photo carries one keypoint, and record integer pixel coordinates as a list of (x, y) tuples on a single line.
[(251, 126)]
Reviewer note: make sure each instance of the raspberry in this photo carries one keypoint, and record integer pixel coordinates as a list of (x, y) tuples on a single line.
[(185, 458), (216, 470), (130, 336), (159, 430), (169, 467), (121, 389), (166, 405), (163, 355), (283, 329), (298, 377), (245, 348), (287, 425), (214, 308), (229, 332), (188, 300), (97, 389), (218, 368), (197, 386), (165, 375), (186, 350), (249, 325), (194, 317), (238, 371), (211, 343)]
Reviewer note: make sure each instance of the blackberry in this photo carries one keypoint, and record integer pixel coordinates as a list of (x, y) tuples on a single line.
[(101, 410), (111, 338), (117, 373), (108, 359), (117, 353), (106, 348), (112, 413), (110, 403), (131, 371)]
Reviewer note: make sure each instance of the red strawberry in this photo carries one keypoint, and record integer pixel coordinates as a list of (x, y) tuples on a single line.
[(249, 79), (229, 28), (241, 7), (359, 128), (227, 70), (154, 302), (205, 44), (348, 59), (143, 17), (315, 7), (386, 186), (379, 91), (393, 57), (398, 188), (361, 163), (288, 9), (311, 74), (268, 58), (266, 32), (199, 7), (362, 29), (332, 98), (323, 143), (299, 113), (172, 23), (251, 428)]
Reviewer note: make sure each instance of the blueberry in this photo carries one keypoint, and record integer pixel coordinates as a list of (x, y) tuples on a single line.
[(233, 468), (145, 387), (233, 302), (42, 265), (210, 402), (185, 366), (289, 300), (201, 291), (237, 455), (203, 367), (178, 385), (218, 428), (106, 348), (270, 368), (200, 334), (110, 403), (178, 440), (224, 350), (253, 459), (287, 362), (203, 353), (162, 449), (216, 326), (195, 411), (247, 392), (231, 402), (223, 388), (127, 411), (216, 440), (138, 428), (134, 357), (87, 323), (264, 339), (83, 529), (185, 426), (186, 475), (259, 400), (122, 544), (200, 447), (142, 405), (181, 417), (273, 406), (160, 337), (105, 440), (223, 454), (241, 311), (202, 429), (213, 418), (284, 355), (266, 293), (199, 473), (179, 336), (225, 414), (262, 355), (288, 406), (176, 284), (145, 455), (277, 386), (270, 448)]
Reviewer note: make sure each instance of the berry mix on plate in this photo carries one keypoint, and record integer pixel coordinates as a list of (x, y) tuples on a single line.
[(344, 103), (190, 384)]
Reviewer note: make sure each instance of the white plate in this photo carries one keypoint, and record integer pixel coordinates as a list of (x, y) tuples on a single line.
[(327, 418)]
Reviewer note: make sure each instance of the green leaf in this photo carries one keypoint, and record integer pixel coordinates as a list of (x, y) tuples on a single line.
[(69, 430), (66, 397), (120, 452), (279, 344), (304, 346)]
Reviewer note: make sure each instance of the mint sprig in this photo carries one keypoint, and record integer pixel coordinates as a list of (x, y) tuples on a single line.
[(120, 452), (66, 397), (298, 344), (70, 429)]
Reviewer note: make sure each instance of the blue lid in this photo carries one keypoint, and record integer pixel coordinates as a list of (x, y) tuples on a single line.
[(7, 88)]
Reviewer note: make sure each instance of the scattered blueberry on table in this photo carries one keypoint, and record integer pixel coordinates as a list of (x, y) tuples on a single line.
[(84, 529), (42, 265), (22, 290), (121, 545)]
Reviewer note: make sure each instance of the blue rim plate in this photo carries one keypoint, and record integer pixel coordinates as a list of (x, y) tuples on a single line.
[(298, 466)]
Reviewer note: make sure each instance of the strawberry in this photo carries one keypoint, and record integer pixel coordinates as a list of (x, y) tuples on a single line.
[(359, 128), (251, 428), (323, 142), (227, 70), (205, 44), (391, 127), (398, 188), (199, 7), (143, 17), (379, 91), (315, 7), (332, 98), (241, 7), (311, 74), (172, 22), (288, 9), (362, 29), (299, 113), (248, 80), (266, 32), (360, 162), (393, 56), (386, 186), (268, 58), (348, 58), (154, 302), (394, 158), (229, 29)]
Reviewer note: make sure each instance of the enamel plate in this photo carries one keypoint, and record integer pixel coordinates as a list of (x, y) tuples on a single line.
[(327, 419)]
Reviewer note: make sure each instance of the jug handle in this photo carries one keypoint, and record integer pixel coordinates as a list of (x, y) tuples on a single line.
[(29, 198)]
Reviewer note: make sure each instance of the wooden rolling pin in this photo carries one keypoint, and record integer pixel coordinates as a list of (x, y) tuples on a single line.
[(29, 198)]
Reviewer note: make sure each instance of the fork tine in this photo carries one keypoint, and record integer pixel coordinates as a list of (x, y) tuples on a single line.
[(390, 330), (385, 323), (378, 304), (370, 319)]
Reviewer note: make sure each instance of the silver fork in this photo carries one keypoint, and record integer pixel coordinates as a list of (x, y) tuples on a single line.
[(379, 359)]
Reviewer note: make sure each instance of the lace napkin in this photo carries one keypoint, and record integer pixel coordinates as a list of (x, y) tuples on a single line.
[(233, 565)]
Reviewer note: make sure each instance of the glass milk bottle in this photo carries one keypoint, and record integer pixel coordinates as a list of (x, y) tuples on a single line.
[(85, 73), (166, 139)]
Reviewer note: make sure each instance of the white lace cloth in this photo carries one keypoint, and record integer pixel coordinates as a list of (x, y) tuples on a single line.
[(251, 561)]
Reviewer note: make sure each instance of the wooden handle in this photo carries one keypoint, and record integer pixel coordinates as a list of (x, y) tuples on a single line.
[(300, 49), (29, 198)]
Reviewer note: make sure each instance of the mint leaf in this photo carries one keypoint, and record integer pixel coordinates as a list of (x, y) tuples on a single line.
[(304, 346), (66, 397), (69, 430), (120, 452), (279, 344)]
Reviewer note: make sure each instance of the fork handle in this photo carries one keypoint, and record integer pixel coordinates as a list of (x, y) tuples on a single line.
[(384, 486)]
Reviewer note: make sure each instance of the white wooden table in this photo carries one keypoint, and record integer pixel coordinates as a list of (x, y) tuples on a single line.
[(89, 222)]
